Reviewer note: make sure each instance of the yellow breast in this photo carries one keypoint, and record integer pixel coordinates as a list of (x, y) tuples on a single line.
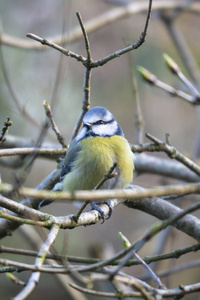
[(96, 157)]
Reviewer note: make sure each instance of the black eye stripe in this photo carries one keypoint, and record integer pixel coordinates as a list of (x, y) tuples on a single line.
[(99, 122)]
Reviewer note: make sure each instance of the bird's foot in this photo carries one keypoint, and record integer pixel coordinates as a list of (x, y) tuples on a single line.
[(101, 212)]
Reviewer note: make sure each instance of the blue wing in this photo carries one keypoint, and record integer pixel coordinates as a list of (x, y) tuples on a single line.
[(66, 168)]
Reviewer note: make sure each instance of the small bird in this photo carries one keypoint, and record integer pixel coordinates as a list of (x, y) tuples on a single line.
[(99, 144)]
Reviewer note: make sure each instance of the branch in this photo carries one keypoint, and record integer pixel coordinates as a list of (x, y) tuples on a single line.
[(163, 210), (57, 47), (38, 263), (87, 62), (93, 263), (106, 18), (43, 152), (164, 167), (20, 220), (87, 79), (153, 80), (189, 224), (175, 69), (83, 260), (100, 195), (174, 153), (181, 46), (5, 128), (49, 114), (134, 46), (126, 244)]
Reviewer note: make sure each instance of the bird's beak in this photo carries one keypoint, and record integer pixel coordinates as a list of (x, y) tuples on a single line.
[(88, 125)]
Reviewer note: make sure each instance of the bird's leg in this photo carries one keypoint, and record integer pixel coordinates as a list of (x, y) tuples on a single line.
[(94, 206), (101, 212), (111, 208), (107, 176)]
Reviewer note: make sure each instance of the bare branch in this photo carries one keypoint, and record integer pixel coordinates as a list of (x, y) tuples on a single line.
[(146, 204), (152, 79), (134, 46), (87, 79), (53, 124), (174, 153), (182, 47), (175, 69), (39, 261), (43, 152), (100, 195), (100, 21), (55, 46), (5, 128)]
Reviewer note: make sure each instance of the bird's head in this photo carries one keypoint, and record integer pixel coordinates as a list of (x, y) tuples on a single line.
[(98, 121)]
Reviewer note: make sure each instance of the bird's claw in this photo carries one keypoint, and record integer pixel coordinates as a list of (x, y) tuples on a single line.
[(101, 212)]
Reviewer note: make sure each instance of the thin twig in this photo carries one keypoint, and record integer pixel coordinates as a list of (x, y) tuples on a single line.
[(87, 61), (175, 69), (126, 259), (87, 79), (85, 36), (134, 46), (157, 227), (23, 221), (159, 246), (89, 64), (176, 269), (57, 47), (150, 271), (53, 124), (152, 79), (14, 279), (22, 210), (181, 45), (175, 154), (84, 260), (104, 294), (4, 130)]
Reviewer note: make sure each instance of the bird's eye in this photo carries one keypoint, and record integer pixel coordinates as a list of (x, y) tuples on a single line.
[(99, 122)]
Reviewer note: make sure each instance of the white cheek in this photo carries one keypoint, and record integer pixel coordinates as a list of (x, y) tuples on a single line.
[(108, 129)]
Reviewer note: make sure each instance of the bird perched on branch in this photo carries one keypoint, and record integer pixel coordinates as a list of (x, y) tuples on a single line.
[(99, 144)]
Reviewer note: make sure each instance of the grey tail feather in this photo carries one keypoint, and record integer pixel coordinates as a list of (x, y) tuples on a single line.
[(44, 203), (57, 187)]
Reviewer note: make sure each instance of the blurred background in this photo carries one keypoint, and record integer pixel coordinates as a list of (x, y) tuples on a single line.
[(31, 74)]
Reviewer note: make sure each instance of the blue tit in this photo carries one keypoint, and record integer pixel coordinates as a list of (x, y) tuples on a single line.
[(92, 153)]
